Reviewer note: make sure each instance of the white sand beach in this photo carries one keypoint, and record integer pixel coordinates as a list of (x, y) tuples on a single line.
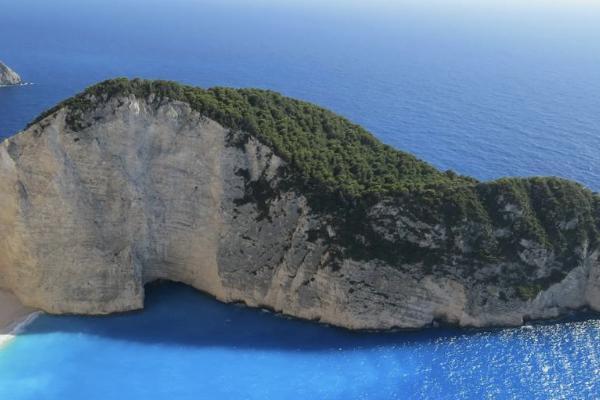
[(14, 317)]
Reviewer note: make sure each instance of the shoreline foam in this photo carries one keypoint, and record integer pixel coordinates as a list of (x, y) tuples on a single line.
[(18, 84)]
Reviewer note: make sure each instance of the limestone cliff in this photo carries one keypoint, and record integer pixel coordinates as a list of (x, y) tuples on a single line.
[(134, 181), (8, 76)]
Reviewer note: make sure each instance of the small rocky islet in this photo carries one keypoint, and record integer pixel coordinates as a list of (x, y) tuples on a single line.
[(257, 198), (8, 77)]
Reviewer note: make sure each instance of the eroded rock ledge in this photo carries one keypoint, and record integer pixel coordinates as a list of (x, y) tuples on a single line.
[(126, 184)]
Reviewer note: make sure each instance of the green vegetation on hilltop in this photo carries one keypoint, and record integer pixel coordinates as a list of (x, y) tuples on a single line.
[(326, 150)]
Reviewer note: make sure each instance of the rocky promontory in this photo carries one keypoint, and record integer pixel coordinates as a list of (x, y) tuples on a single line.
[(257, 198), (8, 76)]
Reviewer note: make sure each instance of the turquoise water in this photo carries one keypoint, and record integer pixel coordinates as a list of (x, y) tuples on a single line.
[(482, 88), (187, 346)]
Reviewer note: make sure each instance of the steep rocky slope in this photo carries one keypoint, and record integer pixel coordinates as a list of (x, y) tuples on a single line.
[(261, 199), (8, 76)]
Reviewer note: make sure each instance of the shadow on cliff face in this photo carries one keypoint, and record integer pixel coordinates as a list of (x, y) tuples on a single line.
[(176, 314)]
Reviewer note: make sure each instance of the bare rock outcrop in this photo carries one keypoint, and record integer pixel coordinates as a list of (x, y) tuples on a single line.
[(8, 76)]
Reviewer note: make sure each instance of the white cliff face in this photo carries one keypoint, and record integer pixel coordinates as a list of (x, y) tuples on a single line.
[(152, 190), (8, 76)]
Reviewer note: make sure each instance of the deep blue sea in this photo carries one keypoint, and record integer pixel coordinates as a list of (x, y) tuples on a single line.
[(486, 88)]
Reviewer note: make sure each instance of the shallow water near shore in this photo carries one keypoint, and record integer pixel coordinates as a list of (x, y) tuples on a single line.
[(186, 345)]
